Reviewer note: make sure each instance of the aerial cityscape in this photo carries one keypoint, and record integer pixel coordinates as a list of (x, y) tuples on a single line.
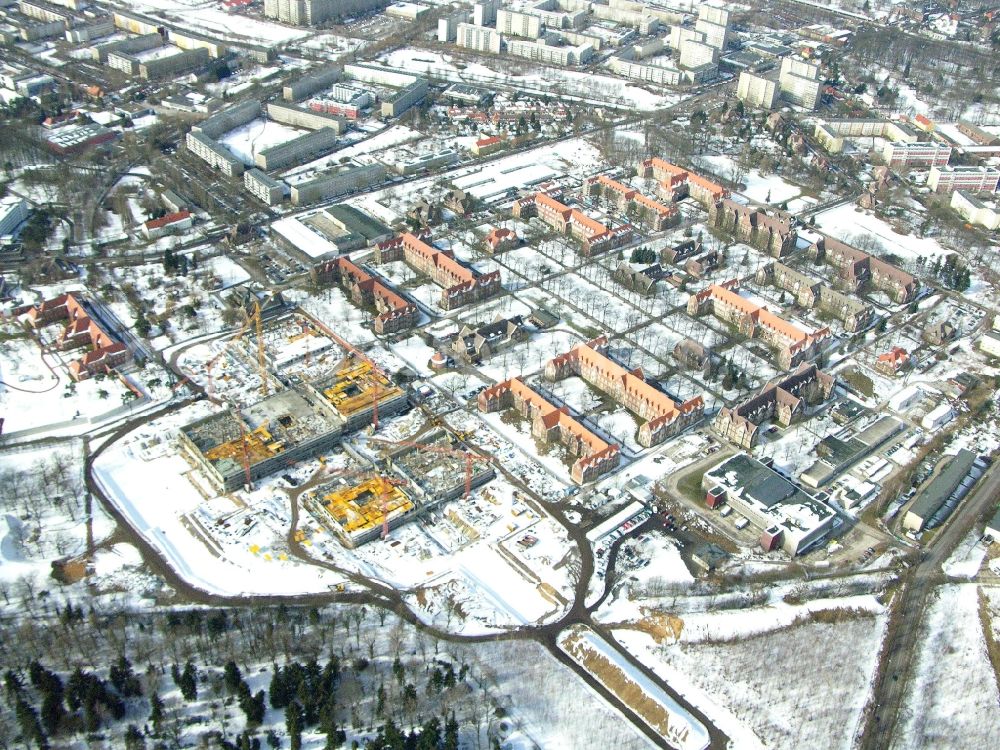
[(513, 374)]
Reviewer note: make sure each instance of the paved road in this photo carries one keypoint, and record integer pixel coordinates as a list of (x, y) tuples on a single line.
[(902, 637)]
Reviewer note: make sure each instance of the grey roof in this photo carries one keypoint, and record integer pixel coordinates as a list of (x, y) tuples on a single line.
[(358, 221), (930, 499)]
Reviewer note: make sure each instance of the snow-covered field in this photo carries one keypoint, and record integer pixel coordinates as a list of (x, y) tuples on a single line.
[(861, 228), (952, 697)]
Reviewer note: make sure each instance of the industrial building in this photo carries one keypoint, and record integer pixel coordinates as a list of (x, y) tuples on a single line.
[(838, 453), (73, 138), (554, 424), (792, 344), (786, 516), (783, 400), (664, 418), (946, 179), (933, 496), (460, 284)]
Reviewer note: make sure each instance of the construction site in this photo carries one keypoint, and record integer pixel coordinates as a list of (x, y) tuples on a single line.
[(358, 512)]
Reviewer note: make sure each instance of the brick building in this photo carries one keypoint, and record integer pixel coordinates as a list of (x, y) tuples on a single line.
[(783, 401), (792, 344), (650, 213), (460, 285), (663, 416), (394, 312), (677, 183), (105, 353), (857, 268), (554, 424), (810, 293), (594, 237), (771, 232)]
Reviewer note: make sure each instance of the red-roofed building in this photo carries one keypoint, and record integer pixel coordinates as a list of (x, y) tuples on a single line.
[(106, 353), (487, 146), (500, 239), (461, 285), (394, 312), (590, 362), (175, 222), (594, 236), (553, 423), (677, 183), (653, 214), (892, 361), (793, 345)]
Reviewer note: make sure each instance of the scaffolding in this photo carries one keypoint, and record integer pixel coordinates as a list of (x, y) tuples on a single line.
[(358, 386), (251, 447)]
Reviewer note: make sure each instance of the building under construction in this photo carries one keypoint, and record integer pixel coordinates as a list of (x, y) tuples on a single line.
[(238, 447), (358, 513), (360, 394), (438, 469)]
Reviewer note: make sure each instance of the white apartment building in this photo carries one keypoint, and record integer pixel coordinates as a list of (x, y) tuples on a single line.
[(945, 179), (539, 51), (695, 54), (974, 210), (513, 23), (664, 75), (799, 82), (916, 154), (756, 91), (484, 13), (479, 38)]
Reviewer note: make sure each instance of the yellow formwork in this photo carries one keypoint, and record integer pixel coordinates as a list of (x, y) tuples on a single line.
[(260, 445), (357, 387), (361, 506)]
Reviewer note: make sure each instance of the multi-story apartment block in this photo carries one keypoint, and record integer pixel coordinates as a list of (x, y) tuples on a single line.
[(945, 179), (756, 91), (832, 133), (336, 181), (310, 84), (770, 232), (299, 117), (857, 268), (14, 211), (298, 150), (312, 12), (651, 213), (398, 102), (916, 154), (695, 54), (484, 13), (218, 156), (479, 38), (662, 74), (513, 23), (664, 417), (791, 343), (974, 210), (460, 285), (266, 189), (594, 237), (799, 82), (810, 293), (783, 400), (554, 54), (554, 424)]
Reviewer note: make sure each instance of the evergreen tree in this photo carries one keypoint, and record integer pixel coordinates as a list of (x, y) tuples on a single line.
[(232, 677), (450, 741), (189, 682), (156, 711), (294, 723), (31, 727)]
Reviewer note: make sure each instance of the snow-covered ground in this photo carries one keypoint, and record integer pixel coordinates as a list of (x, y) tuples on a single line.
[(951, 699)]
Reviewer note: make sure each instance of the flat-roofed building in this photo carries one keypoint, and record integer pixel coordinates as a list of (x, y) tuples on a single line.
[(479, 38), (513, 23), (785, 515), (936, 492), (298, 150), (916, 154), (976, 211), (336, 181), (756, 91), (266, 189), (218, 156), (947, 179), (798, 82)]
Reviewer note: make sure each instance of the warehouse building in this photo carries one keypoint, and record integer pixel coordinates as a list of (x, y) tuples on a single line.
[(837, 454), (786, 516), (933, 496)]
